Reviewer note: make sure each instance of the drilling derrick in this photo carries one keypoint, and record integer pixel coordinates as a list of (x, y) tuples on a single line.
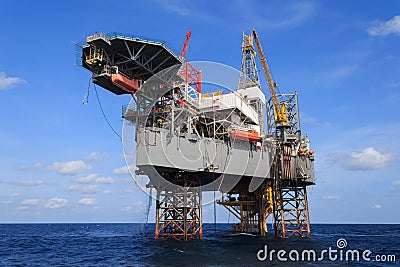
[(248, 69)]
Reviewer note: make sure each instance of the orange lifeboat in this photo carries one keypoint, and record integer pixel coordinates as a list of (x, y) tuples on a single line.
[(251, 135), (129, 85)]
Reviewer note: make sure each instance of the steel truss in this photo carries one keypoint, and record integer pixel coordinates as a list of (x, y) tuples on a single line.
[(178, 214), (291, 216), (246, 211), (290, 204)]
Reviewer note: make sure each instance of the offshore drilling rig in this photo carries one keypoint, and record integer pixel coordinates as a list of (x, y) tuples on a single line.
[(189, 141)]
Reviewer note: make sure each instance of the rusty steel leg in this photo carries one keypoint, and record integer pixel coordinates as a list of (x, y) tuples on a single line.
[(178, 214), (291, 214)]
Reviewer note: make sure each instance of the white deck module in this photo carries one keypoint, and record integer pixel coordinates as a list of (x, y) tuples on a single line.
[(229, 101)]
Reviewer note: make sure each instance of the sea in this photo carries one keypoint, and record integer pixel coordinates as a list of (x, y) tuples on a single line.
[(130, 244)]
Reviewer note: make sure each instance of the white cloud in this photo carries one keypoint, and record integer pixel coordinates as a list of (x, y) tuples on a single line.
[(15, 195), (55, 203), (368, 159), (25, 183), (30, 202), (105, 180), (86, 179), (107, 192), (5, 202), (122, 170), (97, 157), (376, 206), (87, 201), (84, 189), (331, 197), (33, 167), (74, 187), (70, 167), (7, 82), (384, 28), (90, 189)]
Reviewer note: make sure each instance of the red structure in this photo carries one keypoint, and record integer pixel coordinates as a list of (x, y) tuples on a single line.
[(192, 76), (185, 45)]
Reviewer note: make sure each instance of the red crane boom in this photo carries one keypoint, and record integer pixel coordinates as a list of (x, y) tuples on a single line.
[(185, 45)]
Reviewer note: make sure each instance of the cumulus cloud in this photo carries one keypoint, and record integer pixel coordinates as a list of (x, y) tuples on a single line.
[(30, 202), (90, 189), (87, 201), (70, 167), (87, 179), (376, 206), (97, 157), (383, 28), (25, 183), (105, 180), (84, 189), (124, 169), (368, 159), (55, 203), (94, 178), (7, 82), (33, 167)]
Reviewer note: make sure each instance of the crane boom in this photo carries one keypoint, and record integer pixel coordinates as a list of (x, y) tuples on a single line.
[(185, 44), (279, 108)]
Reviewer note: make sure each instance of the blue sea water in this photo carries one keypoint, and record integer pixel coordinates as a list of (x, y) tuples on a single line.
[(134, 245)]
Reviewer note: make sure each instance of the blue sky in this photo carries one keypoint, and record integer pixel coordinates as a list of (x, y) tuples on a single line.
[(60, 162)]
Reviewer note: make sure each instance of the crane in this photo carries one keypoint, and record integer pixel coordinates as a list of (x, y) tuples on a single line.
[(279, 108), (185, 45)]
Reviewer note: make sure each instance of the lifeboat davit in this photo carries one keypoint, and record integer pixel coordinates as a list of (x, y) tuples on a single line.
[(251, 135), (129, 85)]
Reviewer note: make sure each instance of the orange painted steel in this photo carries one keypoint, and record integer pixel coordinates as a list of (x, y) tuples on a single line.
[(251, 135), (129, 85)]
